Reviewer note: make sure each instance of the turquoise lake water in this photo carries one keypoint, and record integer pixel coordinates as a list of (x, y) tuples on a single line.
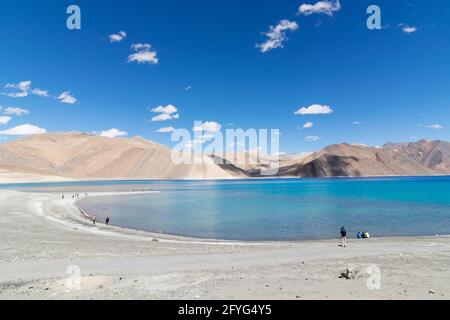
[(280, 209)]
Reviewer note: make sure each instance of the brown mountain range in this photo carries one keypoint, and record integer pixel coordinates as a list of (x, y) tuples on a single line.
[(86, 156)]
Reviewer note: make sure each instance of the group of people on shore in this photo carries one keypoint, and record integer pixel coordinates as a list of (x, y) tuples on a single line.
[(76, 195), (359, 235), (94, 220)]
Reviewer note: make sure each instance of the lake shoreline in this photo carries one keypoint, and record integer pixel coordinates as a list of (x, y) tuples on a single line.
[(59, 179)]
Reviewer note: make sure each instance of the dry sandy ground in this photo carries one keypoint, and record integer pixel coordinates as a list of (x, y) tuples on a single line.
[(43, 239), (17, 177)]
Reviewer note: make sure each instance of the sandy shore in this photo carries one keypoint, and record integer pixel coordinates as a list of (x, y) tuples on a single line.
[(42, 238)]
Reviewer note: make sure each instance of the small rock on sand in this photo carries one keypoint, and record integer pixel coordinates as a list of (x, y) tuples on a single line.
[(349, 273)]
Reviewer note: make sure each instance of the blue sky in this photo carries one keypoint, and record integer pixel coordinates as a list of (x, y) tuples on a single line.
[(382, 85)]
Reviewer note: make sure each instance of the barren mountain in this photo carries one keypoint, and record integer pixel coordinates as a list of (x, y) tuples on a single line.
[(79, 155), (421, 158), (86, 156), (434, 155)]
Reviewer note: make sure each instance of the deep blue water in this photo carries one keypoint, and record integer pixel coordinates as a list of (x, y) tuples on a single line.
[(280, 209)]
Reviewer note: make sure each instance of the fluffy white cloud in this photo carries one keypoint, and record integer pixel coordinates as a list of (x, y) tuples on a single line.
[(408, 30), (321, 7), (117, 37), (357, 123), (170, 109), (67, 97), (23, 130), (21, 89), (314, 109), (169, 112), (5, 119), (276, 36), (15, 111), (208, 126), (144, 54), (113, 133), (435, 126), (312, 138), (40, 92), (308, 125), (162, 117), (166, 130)]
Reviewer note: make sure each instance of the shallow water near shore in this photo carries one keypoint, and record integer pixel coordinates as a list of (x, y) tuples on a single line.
[(273, 209)]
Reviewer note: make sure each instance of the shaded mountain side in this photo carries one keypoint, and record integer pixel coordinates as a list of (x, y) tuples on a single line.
[(325, 166), (354, 160)]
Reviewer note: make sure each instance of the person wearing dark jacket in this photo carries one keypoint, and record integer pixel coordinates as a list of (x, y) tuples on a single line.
[(343, 237)]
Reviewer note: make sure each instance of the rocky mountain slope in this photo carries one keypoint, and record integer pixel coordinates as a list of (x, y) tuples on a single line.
[(86, 156)]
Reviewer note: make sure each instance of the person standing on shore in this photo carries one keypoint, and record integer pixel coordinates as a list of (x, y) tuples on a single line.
[(107, 220), (343, 237), (94, 220)]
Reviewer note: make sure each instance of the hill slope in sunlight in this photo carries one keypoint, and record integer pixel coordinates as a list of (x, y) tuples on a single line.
[(79, 155)]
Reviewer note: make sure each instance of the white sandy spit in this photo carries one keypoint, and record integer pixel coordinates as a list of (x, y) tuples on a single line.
[(49, 250)]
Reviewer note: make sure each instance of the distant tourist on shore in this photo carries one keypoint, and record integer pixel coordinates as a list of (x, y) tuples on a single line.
[(94, 220), (343, 237), (363, 235), (107, 221)]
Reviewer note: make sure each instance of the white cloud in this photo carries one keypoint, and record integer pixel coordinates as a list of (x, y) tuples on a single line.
[(144, 54), (208, 126), (323, 7), (117, 37), (15, 111), (21, 89), (312, 138), (165, 113), (314, 109), (170, 109), (40, 92), (357, 123), (162, 117), (308, 125), (5, 119), (113, 133), (407, 29), (67, 97), (141, 46), (23, 130), (188, 88), (166, 130), (277, 35), (435, 126)]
